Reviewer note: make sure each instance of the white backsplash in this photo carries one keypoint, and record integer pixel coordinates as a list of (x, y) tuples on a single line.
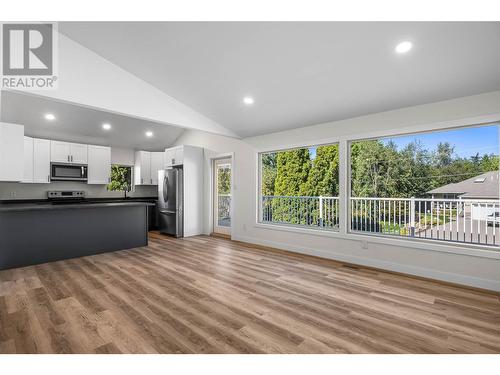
[(14, 190)]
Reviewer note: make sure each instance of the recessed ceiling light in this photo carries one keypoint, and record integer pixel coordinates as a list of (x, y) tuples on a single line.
[(404, 47), (248, 100), (106, 126), (149, 134), (49, 117)]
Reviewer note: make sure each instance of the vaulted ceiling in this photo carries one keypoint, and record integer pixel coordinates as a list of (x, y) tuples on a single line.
[(299, 73)]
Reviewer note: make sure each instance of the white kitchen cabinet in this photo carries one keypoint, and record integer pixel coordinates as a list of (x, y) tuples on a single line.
[(36, 161), (28, 160), (11, 152), (178, 155), (142, 168), (99, 165), (41, 161), (60, 152), (157, 164), (174, 156), (79, 153), (169, 156), (65, 152)]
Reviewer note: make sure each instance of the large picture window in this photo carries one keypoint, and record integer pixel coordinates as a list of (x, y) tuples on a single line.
[(441, 186), (300, 187)]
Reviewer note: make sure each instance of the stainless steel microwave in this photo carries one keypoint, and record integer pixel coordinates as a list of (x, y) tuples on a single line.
[(68, 172)]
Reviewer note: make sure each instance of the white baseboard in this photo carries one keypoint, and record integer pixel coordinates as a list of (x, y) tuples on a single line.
[(390, 266)]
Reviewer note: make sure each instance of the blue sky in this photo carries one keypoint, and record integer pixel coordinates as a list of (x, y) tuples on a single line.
[(468, 142)]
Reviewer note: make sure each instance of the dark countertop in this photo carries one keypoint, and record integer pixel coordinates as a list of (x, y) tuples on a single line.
[(31, 205)]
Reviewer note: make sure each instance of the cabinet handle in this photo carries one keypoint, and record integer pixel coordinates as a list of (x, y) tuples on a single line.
[(48, 178), (142, 180), (71, 158), (68, 158), (151, 181)]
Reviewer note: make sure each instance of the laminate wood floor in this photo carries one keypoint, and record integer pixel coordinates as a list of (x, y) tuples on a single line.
[(211, 295)]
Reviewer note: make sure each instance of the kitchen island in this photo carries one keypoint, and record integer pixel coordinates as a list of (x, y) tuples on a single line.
[(39, 232)]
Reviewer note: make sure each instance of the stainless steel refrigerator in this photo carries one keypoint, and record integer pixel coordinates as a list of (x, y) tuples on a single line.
[(171, 202)]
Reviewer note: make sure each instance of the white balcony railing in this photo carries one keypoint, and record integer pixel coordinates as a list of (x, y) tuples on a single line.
[(457, 220), (318, 212), (224, 210)]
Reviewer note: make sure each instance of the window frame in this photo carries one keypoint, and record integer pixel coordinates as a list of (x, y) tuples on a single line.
[(348, 218), (259, 213), (344, 141), (132, 184)]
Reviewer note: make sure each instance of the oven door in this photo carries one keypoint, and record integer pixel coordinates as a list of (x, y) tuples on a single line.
[(68, 172)]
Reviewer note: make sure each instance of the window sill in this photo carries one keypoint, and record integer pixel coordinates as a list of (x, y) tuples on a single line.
[(480, 251)]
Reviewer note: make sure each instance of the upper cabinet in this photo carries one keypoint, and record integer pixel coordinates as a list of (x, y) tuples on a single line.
[(11, 152), (142, 168), (157, 164), (65, 152), (79, 153), (174, 156), (36, 161), (41, 161), (28, 160), (147, 165), (99, 165)]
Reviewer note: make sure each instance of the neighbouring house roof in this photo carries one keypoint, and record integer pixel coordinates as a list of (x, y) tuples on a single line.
[(484, 186)]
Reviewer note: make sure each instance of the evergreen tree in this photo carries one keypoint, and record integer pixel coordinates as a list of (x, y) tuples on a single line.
[(269, 172), (323, 176), (292, 171)]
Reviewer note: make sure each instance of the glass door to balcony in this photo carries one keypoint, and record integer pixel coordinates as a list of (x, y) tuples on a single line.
[(222, 196)]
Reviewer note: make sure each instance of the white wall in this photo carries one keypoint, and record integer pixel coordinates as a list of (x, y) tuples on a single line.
[(122, 156), (476, 268)]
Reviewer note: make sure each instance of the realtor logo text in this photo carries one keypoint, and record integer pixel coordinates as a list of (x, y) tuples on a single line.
[(28, 56)]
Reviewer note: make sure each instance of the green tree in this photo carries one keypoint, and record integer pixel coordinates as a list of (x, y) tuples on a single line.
[(444, 154), (413, 171), (269, 171), (374, 169), (120, 178), (292, 171), (224, 181), (323, 178), (489, 163)]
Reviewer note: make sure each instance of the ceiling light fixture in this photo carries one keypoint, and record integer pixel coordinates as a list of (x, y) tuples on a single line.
[(49, 117), (149, 134), (248, 100), (404, 47), (106, 126)]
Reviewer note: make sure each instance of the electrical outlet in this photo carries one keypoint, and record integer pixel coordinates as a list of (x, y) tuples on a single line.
[(364, 244), (13, 194)]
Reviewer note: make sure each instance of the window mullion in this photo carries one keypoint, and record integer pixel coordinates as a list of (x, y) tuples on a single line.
[(343, 187)]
